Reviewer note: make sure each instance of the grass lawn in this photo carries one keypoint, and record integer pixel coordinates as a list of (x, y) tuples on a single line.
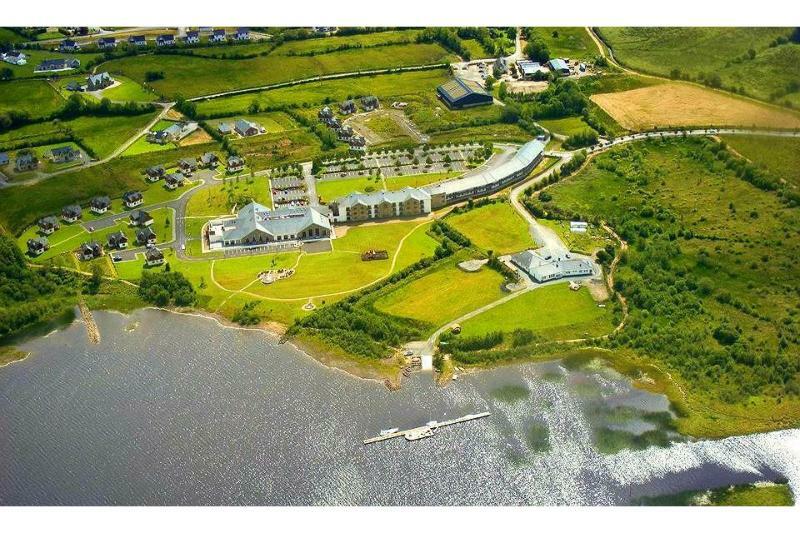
[(721, 51), (142, 146), (490, 132), (105, 134), (585, 243), (384, 86), (196, 76), (442, 294), (780, 157), (431, 115), (566, 126), (554, 312), (571, 42), (476, 50), (417, 180), (762, 494), (219, 199), (331, 189), (496, 227), (128, 91), (35, 97), (64, 239)]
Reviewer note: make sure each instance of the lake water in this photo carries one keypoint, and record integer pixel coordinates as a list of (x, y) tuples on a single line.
[(172, 409)]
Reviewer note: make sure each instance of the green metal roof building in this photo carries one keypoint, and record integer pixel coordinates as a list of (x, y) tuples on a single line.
[(459, 93)]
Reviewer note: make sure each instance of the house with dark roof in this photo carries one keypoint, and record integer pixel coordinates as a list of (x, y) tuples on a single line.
[(235, 163), (347, 107), (166, 39), (64, 154), (132, 199), (57, 65), (246, 128), (256, 225), (71, 213), (99, 204), (357, 143), (242, 34), (25, 161), (146, 236), (218, 36), (345, 132), (90, 250), (38, 246), (47, 225), (459, 93), (369, 103), (117, 240), (325, 114), (187, 166), (173, 181), (137, 40), (208, 160), (68, 45), (153, 257), (154, 173), (140, 218), (74, 87), (107, 43), (192, 37), (15, 57), (96, 82), (3, 159)]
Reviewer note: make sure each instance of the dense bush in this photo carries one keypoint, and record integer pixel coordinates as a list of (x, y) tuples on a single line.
[(167, 288)]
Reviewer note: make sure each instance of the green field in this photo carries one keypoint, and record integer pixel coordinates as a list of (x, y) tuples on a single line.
[(779, 156), (489, 133), (328, 44), (128, 91), (497, 227), (570, 42), (553, 312), (103, 135), (220, 199), (331, 189), (273, 122), (195, 76), (142, 146), (586, 243), (37, 98), (443, 294), (417, 180), (275, 149), (722, 51), (762, 494), (565, 126)]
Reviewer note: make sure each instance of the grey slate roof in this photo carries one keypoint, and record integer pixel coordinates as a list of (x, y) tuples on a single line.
[(281, 221), (378, 197)]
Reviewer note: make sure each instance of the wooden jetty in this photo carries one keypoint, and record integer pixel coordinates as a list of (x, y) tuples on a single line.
[(427, 430)]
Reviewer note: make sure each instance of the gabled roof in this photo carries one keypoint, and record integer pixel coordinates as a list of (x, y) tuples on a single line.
[(153, 254), (132, 195), (62, 150), (379, 197), (74, 209), (243, 125), (176, 177), (281, 221), (117, 236), (94, 79), (101, 201), (145, 234), (558, 64), (458, 88)]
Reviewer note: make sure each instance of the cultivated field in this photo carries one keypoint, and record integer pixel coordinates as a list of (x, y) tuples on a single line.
[(679, 104)]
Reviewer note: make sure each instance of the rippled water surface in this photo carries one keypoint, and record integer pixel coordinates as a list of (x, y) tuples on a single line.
[(172, 409)]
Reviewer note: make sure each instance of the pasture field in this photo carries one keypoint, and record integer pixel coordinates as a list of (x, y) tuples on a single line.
[(565, 126), (571, 42), (272, 122), (384, 86), (475, 48), (442, 294), (103, 135), (31, 134), (498, 132), (37, 98), (275, 149), (193, 76), (417, 180), (21, 206), (733, 285), (330, 44), (128, 91), (7, 35), (221, 198), (553, 312), (497, 227), (780, 157), (722, 51), (680, 104), (331, 189)]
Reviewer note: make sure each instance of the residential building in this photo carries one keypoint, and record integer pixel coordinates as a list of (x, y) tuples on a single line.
[(235, 163), (225, 128), (154, 173), (545, 264), (117, 240), (25, 161), (132, 199), (166, 39), (187, 166), (71, 213), (192, 37), (47, 225), (257, 225), (137, 40), (357, 143), (140, 218), (38, 246), (3, 159), (218, 36), (369, 103), (242, 34), (344, 133), (146, 236), (153, 257), (559, 66), (57, 65), (106, 43), (64, 154), (96, 82), (246, 128), (68, 45), (173, 133), (90, 250), (347, 107), (15, 58), (173, 181), (357, 206), (74, 87), (209, 160), (459, 93), (325, 114), (578, 227), (99, 204)]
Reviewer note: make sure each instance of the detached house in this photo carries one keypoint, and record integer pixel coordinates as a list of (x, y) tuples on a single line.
[(154, 173), (106, 43), (235, 163), (25, 161), (153, 257), (68, 45), (38, 246), (369, 103), (357, 143), (117, 240), (187, 166), (48, 225), (96, 82), (57, 65), (15, 58), (99, 204), (192, 37), (137, 40), (90, 250), (71, 213), (146, 236), (3, 159), (347, 107), (64, 154), (325, 114), (345, 133), (242, 34), (208, 160), (245, 128), (132, 199), (166, 39), (218, 36), (173, 181), (140, 218)]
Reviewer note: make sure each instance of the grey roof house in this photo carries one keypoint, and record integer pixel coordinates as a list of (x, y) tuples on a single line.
[(71, 213), (140, 217), (257, 225)]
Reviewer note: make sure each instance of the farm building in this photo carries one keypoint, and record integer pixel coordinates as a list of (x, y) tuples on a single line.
[(559, 66), (532, 70), (358, 206), (95, 82), (488, 181), (257, 225), (459, 93), (545, 264)]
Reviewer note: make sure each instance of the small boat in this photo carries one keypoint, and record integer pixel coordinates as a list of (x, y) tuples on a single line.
[(389, 431)]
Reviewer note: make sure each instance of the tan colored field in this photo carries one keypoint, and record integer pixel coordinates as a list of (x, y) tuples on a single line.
[(681, 104)]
